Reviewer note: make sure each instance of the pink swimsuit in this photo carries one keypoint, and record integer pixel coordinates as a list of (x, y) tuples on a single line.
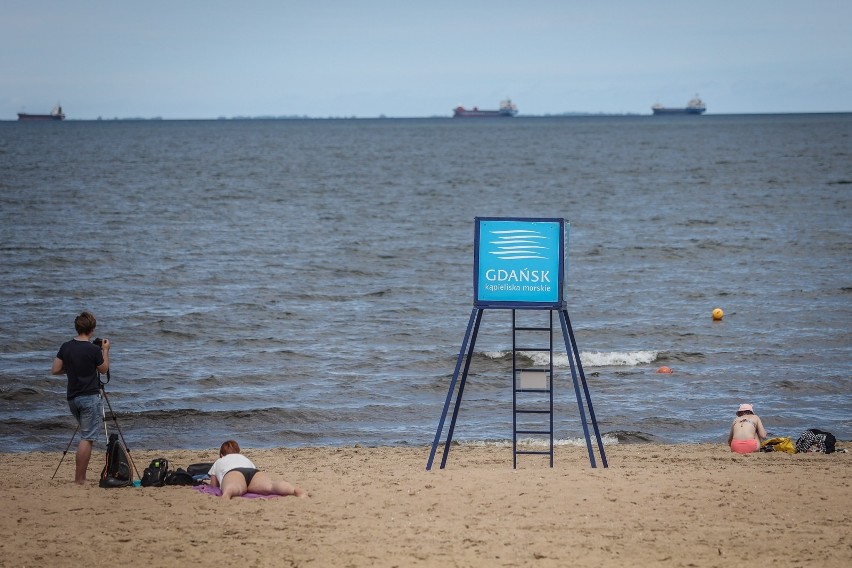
[(744, 446)]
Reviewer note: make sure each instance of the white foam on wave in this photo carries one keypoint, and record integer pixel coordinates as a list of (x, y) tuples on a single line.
[(587, 358), (607, 439), (616, 358), (496, 354)]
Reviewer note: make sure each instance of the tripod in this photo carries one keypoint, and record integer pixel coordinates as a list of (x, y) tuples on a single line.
[(103, 395)]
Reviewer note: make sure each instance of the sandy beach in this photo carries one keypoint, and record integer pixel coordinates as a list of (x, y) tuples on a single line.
[(655, 505)]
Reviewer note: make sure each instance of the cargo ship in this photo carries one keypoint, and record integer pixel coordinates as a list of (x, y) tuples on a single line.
[(695, 106), (55, 114), (507, 109)]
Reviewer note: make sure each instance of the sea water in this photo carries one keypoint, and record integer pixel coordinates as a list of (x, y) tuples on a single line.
[(309, 282)]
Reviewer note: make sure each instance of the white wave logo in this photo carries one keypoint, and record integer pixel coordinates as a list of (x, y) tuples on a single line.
[(518, 244)]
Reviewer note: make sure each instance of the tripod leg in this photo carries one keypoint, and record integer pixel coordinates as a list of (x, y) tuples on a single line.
[(120, 433), (66, 451), (103, 419)]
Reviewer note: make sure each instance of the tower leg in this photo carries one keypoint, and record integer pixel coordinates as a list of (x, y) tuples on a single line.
[(585, 389), (461, 388), (574, 354), (475, 316)]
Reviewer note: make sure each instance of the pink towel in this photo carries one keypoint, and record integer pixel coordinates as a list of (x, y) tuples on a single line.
[(215, 491)]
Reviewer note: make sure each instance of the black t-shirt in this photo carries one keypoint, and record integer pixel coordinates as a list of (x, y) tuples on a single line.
[(81, 360)]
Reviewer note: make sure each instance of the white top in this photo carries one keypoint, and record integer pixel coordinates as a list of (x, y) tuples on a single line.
[(226, 463)]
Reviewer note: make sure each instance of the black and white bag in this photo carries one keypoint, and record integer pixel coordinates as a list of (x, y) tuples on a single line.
[(813, 440)]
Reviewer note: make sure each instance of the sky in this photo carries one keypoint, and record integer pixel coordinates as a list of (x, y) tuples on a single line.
[(188, 59)]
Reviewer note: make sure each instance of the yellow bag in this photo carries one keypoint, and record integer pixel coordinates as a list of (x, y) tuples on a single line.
[(778, 445)]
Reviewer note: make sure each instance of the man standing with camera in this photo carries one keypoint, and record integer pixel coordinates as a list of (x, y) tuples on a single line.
[(82, 359)]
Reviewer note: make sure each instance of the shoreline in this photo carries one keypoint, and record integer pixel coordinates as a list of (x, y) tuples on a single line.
[(656, 504), (609, 440)]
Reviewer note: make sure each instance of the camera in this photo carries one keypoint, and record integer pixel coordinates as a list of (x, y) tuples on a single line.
[(100, 343)]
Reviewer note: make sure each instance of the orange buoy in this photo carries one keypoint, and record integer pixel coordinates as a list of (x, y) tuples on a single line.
[(718, 314), (664, 370)]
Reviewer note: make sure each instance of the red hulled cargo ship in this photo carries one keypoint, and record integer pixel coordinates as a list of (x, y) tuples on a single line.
[(507, 110), (55, 114)]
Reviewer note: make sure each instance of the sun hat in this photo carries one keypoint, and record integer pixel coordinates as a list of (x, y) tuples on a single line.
[(744, 407)]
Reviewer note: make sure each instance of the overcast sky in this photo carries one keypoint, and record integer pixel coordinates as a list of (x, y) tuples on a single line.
[(365, 58)]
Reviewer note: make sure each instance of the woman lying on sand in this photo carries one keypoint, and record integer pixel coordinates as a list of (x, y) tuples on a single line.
[(236, 475)]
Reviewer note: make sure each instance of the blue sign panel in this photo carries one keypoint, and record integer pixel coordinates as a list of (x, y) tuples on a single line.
[(519, 263)]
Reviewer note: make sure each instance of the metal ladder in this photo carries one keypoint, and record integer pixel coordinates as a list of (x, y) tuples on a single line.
[(533, 386)]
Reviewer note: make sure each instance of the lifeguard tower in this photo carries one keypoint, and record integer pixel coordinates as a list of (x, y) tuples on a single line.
[(520, 264)]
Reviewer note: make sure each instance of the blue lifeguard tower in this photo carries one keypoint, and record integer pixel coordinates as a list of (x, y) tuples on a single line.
[(520, 264)]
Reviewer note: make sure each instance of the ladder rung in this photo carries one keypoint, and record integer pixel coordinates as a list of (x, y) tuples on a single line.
[(536, 380)]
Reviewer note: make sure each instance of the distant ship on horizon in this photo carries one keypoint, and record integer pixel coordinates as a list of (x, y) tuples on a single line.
[(55, 114), (694, 106), (507, 109)]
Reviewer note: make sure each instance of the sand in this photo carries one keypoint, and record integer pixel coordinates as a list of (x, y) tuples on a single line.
[(656, 505)]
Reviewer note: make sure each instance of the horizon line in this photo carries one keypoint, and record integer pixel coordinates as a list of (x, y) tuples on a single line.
[(568, 114)]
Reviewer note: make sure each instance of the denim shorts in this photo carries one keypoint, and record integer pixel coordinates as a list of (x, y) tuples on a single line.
[(88, 410)]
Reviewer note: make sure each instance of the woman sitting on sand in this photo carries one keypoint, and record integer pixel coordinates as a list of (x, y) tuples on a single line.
[(746, 432), (236, 475)]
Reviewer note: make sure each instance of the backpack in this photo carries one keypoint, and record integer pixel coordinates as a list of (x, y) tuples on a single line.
[(116, 472), (778, 445), (155, 474), (180, 477), (199, 469), (813, 440)]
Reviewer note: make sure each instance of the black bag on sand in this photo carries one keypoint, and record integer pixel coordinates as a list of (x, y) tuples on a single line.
[(198, 468), (180, 477), (116, 472), (155, 474)]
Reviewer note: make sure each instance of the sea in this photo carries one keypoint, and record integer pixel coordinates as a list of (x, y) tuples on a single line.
[(308, 282)]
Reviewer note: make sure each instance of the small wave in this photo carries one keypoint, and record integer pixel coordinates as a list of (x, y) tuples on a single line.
[(617, 358), (22, 394), (497, 355), (178, 333), (269, 415), (609, 439), (587, 358), (379, 293), (18, 426), (827, 386), (681, 356), (630, 437)]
